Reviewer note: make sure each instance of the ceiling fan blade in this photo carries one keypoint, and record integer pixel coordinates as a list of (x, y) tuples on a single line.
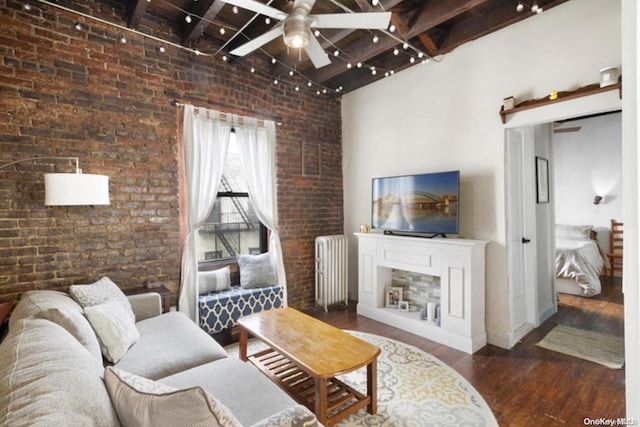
[(317, 55), (254, 44), (258, 7), (370, 20), (563, 130)]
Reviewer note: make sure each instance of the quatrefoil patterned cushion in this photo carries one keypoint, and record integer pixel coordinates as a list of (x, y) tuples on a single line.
[(221, 310)]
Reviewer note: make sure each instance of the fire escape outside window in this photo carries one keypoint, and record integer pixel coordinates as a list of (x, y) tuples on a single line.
[(233, 227)]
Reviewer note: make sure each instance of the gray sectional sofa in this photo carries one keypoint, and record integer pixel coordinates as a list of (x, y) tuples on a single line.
[(52, 374)]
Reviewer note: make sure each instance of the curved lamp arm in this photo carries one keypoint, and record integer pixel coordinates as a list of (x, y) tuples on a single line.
[(78, 170)]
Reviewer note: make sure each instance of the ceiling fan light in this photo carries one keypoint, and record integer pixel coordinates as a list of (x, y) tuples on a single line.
[(296, 31)]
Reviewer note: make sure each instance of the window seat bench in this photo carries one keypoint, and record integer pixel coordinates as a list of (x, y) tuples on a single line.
[(220, 311)]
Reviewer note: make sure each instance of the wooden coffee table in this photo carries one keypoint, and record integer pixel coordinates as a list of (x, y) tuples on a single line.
[(306, 355)]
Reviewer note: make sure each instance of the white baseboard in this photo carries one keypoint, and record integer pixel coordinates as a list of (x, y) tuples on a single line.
[(498, 339), (550, 311), (508, 340)]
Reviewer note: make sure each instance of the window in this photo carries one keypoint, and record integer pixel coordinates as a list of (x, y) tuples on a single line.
[(233, 227)]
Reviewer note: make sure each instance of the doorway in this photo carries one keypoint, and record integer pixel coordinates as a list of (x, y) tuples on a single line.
[(531, 265)]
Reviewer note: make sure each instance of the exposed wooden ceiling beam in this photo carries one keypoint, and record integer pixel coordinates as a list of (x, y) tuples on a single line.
[(500, 14), (435, 13), (429, 44), (356, 78), (135, 11), (203, 13)]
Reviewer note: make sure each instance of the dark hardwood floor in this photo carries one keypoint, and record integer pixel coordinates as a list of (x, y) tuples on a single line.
[(528, 385)]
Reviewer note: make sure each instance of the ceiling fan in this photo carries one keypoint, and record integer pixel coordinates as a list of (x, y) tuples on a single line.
[(557, 128), (296, 26)]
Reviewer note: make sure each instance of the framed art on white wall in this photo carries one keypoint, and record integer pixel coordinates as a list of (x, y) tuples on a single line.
[(542, 180)]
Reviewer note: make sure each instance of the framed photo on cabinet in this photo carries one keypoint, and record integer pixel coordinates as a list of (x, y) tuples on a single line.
[(393, 296)]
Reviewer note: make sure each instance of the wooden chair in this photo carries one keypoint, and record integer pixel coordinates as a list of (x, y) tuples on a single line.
[(615, 247)]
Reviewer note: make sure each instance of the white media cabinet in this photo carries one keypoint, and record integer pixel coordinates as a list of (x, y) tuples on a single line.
[(460, 265)]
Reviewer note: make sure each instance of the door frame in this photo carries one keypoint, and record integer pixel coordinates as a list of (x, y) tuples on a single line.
[(593, 104)]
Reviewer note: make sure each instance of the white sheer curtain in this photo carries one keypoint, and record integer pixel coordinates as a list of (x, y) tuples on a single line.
[(257, 146), (205, 139)]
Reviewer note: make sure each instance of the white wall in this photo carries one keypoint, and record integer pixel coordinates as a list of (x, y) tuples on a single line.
[(589, 162), (631, 208), (444, 116)]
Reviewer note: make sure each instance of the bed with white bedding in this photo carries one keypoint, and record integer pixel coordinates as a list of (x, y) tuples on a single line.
[(579, 260)]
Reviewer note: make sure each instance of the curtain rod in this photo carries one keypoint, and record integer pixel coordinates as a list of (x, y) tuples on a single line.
[(230, 110)]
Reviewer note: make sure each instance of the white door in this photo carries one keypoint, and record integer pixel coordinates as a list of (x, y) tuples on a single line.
[(521, 247)]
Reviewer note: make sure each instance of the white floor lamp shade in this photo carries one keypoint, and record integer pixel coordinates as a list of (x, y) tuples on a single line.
[(73, 189)]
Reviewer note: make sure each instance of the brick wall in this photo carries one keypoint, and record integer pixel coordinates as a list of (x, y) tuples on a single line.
[(65, 92)]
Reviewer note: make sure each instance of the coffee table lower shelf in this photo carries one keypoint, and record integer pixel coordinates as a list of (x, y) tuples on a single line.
[(334, 399)]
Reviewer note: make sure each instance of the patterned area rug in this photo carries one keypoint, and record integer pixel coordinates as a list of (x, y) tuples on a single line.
[(607, 350), (414, 389)]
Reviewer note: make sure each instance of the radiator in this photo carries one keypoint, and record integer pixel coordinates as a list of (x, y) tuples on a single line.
[(331, 270)]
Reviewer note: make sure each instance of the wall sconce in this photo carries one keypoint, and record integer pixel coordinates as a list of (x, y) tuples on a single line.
[(597, 200), (71, 189)]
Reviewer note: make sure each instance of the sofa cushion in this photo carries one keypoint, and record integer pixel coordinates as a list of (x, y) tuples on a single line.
[(241, 387), (114, 327), (33, 302), (142, 402), (168, 344), (256, 270), (48, 378), (77, 325), (98, 292)]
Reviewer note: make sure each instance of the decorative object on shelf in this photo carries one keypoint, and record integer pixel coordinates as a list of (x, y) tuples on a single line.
[(364, 228), (403, 306), (597, 200), (588, 90), (553, 95), (71, 189), (509, 103), (542, 180), (393, 296), (431, 311), (609, 76)]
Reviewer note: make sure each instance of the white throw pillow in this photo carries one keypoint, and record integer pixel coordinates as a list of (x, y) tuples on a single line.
[(98, 292), (114, 328), (214, 281), (566, 231), (256, 271), (142, 402)]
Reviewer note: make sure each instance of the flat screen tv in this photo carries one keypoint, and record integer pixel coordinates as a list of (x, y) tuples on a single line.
[(417, 204)]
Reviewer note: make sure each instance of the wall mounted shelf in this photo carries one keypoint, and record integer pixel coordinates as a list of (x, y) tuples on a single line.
[(562, 96)]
